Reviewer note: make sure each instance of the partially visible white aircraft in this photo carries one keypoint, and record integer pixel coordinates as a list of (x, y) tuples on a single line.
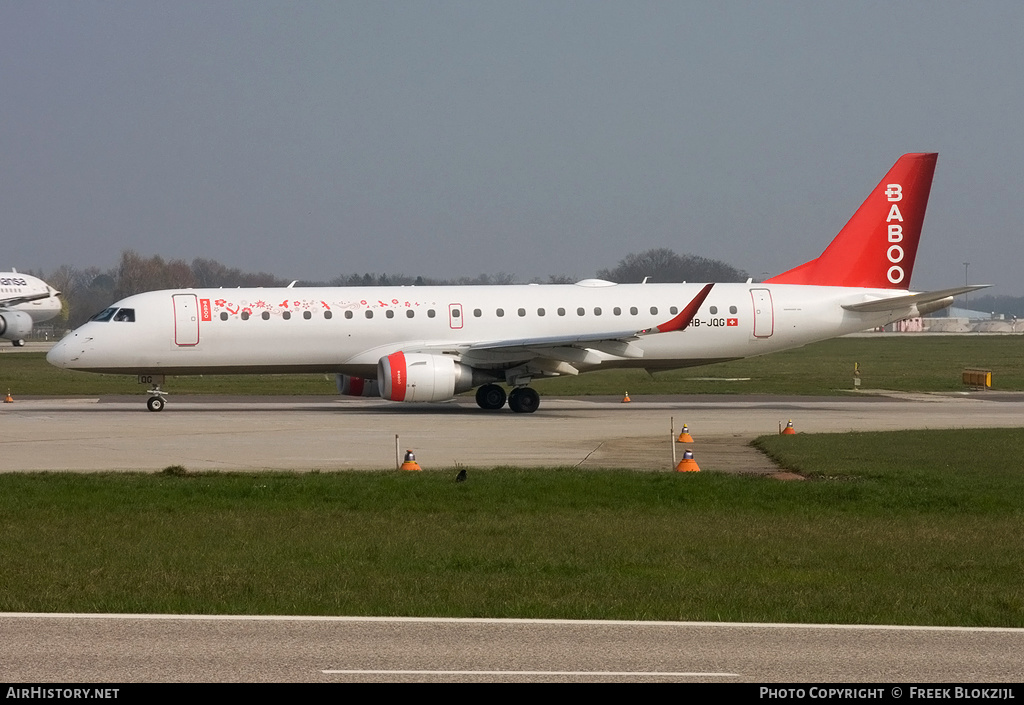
[(418, 344), (24, 301)]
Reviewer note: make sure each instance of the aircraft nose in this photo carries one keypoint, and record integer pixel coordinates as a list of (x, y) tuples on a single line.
[(58, 354)]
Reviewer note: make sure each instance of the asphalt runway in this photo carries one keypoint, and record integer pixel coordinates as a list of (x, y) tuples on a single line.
[(246, 434), (162, 648)]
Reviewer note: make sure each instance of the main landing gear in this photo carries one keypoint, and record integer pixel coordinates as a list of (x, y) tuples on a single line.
[(522, 400), (490, 397)]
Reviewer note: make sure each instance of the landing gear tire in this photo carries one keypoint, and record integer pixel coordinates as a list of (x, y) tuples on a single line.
[(490, 397), (523, 400), (155, 404), (19, 343)]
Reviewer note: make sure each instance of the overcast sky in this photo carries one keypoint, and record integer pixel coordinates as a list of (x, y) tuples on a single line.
[(314, 139)]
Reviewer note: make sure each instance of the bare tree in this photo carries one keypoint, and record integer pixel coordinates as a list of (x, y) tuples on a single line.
[(664, 265), (136, 274)]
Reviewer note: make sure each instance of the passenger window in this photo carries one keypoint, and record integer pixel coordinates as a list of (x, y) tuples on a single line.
[(307, 315), (245, 315), (430, 313), (617, 311), (456, 313), (732, 309), (633, 311), (597, 310), (540, 312), (223, 315), (561, 312), (265, 315), (286, 315), (580, 312), (348, 314), (673, 310), (654, 310), (390, 313), (500, 312), (477, 313), (369, 313), (328, 315), (521, 312), (410, 313), (713, 310)]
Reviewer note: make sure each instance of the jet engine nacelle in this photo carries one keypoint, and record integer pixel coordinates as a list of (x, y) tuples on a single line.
[(357, 386), (422, 377), (15, 325)]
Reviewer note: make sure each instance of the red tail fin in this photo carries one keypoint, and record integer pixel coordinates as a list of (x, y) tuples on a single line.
[(877, 247)]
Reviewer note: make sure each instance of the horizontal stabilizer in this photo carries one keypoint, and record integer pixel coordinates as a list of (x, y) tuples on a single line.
[(897, 302)]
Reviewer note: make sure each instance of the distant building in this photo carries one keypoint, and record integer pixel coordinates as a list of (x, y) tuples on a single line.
[(959, 320)]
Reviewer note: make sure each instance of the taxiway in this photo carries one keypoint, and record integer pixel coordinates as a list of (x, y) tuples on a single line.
[(246, 434)]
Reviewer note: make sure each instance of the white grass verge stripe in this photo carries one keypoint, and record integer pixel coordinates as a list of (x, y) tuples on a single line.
[(587, 674)]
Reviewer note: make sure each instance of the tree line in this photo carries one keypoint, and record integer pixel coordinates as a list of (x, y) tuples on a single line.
[(86, 291)]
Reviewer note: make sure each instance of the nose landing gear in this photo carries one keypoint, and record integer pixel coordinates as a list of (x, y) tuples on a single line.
[(156, 399)]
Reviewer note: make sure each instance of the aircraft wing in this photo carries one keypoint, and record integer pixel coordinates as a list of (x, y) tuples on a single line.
[(569, 348), (920, 300), (17, 300)]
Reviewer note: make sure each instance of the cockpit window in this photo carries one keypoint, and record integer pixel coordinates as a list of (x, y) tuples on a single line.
[(104, 315), (124, 315)]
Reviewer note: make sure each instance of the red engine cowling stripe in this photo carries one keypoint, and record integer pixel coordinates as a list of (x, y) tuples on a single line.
[(398, 374)]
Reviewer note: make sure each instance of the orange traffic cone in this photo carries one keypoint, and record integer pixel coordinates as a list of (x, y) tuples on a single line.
[(687, 464), (789, 430), (410, 462), (684, 436), (8, 399), (626, 399)]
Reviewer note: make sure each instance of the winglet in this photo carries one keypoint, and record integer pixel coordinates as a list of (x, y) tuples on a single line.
[(686, 315)]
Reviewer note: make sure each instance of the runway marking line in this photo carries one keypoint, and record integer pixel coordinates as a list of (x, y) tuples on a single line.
[(587, 674)]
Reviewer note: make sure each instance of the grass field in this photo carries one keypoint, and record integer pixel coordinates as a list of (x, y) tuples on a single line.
[(908, 528), (898, 362)]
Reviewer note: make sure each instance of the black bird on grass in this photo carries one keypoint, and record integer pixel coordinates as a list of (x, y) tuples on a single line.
[(461, 477)]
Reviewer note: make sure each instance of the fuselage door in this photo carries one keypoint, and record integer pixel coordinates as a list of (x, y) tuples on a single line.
[(186, 320), (764, 317), (455, 316)]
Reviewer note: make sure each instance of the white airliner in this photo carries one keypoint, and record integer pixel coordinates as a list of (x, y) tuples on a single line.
[(24, 301), (418, 344)]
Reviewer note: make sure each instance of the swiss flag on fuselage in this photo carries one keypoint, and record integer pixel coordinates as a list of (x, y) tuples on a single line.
[(732, 321)]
